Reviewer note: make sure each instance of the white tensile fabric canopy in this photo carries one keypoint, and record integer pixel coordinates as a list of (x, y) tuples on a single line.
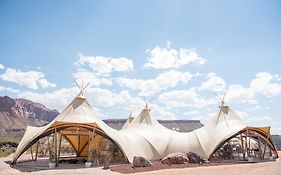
[(143, 136)]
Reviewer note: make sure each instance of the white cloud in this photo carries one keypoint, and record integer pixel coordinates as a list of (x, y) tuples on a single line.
[(197, 117), (242, 114), (161, 114), (8, 89), (165, 58), (252, 119), (214, 83), (184, 98), (191, 113), (45, 84), (30, 79), (2, 88), (259, 119), (58, 99), (263, 83), (105, 65), (2, 66), (91, 77), (161, 82), (254, 108), (122, 64), (240, 94), (106, 98)]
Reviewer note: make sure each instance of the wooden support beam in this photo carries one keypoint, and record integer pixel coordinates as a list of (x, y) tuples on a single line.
[(49, 146), (56, 146), (260, 151), (37, 146), (90, 143), (246, 141), (31, 152), (78, 149), (59, 149), (265, 146), (242, 144), (83, 147), (249, 144)]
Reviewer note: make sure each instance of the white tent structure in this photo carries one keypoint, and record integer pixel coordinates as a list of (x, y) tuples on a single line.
[(143, 136)]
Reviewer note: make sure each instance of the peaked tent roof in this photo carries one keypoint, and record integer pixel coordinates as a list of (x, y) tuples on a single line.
[(128, 122)]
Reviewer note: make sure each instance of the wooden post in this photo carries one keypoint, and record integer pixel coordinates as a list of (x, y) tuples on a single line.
[(36, 153), (49, 146), (59, 149), (56, 144), (246, 141), (78, 149), (242, 143), (249, 143), (265, 146), (89, 143), (31, 152), (260, 152)]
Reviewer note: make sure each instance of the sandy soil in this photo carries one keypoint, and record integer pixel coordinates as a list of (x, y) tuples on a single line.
[(268, 168)]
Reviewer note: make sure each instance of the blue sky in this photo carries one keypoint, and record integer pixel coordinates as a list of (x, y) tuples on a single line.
[(179, 52)]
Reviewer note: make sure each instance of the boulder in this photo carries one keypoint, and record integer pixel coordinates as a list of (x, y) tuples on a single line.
[(141, 162), (194, 158), (175, 158)]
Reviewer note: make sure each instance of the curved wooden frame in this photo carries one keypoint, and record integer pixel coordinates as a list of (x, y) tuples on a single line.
[(59, 127), (266, 138)]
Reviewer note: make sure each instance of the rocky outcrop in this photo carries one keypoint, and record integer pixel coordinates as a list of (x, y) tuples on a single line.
[(141, 162), (194, 158), (175, 158), (16, 114), (28, 109)]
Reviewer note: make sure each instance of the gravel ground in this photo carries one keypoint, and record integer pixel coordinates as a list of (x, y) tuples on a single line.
[(157, 165), (268, 168)]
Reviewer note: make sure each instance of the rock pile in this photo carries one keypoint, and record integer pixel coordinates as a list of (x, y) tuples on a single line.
[(141, 162), (175, 158)]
